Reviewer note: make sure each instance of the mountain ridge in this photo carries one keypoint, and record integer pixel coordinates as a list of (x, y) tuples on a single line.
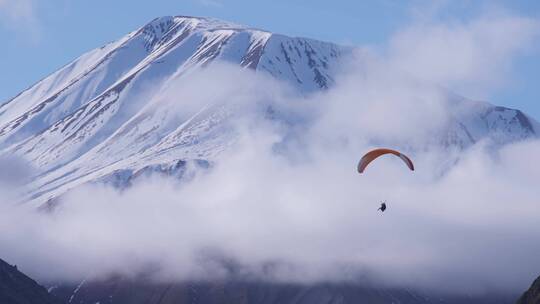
[(17, 288), (532, 295)]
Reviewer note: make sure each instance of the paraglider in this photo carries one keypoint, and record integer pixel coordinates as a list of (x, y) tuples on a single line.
[(373, 154)]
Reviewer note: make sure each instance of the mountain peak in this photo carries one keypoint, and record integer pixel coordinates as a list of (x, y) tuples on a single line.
[(165, 23)]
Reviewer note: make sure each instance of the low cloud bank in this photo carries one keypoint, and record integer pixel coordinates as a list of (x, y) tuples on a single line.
[(473, 229)]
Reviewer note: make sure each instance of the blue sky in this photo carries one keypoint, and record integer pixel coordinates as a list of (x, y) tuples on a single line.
[(38, 37)]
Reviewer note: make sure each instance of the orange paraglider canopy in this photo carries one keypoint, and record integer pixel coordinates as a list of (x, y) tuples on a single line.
[(373, 154)]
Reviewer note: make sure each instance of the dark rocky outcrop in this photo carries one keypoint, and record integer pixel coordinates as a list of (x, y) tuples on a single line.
[(531, 296), (17, 288)]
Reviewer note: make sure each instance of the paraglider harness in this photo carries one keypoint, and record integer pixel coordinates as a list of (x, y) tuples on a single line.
[(382, 207)]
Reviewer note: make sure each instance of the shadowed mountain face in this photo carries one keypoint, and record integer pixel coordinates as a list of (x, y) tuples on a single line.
[(531, 296), (139, 292), (17, 288)]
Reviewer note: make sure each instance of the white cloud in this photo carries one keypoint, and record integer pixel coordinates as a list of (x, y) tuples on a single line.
[(304, 209), (461, 233), (20, 15), (472, 57), (211, 3)]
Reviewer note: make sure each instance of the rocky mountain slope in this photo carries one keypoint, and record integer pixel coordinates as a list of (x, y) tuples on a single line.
[(17, 288), (531, 296), (116, 290)]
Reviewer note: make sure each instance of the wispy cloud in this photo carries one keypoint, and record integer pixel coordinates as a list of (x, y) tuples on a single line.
[(20, 15), (211, 3), (469, 48)]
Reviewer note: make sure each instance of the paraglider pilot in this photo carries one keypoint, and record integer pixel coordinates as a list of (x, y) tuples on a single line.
[(382, 207)]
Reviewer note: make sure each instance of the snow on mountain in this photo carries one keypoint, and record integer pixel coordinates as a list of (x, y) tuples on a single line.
[(100, 117), (474, 121)]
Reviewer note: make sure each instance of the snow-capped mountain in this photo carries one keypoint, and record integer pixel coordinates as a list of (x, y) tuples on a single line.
[(97, 118)]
